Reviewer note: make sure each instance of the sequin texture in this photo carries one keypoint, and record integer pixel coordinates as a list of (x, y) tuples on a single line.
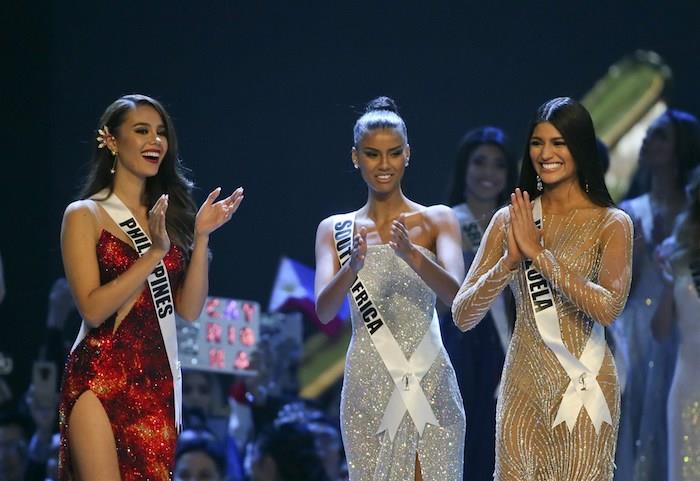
[(684, 396), (406, 304), (128, 371), (587, 260)]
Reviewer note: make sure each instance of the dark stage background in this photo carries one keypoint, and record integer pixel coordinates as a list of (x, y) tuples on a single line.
[(265, 96)]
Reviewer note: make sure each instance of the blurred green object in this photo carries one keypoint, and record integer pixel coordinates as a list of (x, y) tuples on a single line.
[(323, 362), (623, 103), (626, 93)]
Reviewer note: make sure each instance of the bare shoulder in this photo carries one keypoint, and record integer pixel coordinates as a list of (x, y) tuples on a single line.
[(324, 232), (327, 224), (440, 214), (81, 212)]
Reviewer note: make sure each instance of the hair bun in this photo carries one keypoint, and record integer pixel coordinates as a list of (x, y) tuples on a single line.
[(382, 103)]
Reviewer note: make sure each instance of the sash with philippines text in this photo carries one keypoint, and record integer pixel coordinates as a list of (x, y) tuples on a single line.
[(406, 374), (583, 390), (159, 286)]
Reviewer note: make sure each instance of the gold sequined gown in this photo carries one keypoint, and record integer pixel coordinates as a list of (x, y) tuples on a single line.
[(587, 260), (406, 304), (684, 398)]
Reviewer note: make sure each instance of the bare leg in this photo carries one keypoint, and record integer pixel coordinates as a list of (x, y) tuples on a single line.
[(92, 447), (419, 473)]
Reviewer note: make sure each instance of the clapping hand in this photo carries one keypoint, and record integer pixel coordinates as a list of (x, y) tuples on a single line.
[(213, 215), (156, 225), (400, 241), (359, 250)]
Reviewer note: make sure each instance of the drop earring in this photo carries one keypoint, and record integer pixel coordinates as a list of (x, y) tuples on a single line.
[(114, 165), (540, 187)]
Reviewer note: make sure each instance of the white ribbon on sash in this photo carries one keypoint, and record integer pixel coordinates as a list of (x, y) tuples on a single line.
[(583, 390), (159, 286), (406, 374)]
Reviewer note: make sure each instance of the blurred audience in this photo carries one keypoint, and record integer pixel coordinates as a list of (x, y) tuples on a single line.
[(199, 457), (286, 452)]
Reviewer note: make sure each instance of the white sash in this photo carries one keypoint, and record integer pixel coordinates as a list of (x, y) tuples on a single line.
[(406, 374), (471, 230), (583, 389), (471, 239), (159, 286)]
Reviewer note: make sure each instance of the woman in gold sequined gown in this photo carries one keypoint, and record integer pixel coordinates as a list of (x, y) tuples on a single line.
[(405, 254), (584, 252)]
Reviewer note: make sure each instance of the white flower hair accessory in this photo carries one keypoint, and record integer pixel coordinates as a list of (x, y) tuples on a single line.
[(102, 136)]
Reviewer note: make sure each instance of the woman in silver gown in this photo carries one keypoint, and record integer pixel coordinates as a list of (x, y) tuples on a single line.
[(558, 408), (401, 411)]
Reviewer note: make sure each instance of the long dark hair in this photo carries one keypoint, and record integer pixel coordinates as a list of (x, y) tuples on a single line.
[(574, 123), (170, 179), (687, 229), (202, 442), (293, 447), (485, 135), (380, 113), (686, 150)]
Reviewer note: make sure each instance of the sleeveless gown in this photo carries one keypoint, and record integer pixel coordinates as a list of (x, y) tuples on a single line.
[(128, 371), (406, 304)]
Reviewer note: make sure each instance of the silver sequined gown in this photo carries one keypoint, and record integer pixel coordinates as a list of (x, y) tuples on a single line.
[(587, 260), (406, 304)]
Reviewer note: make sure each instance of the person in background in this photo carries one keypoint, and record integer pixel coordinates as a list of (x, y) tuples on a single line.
[(14, 436), (199, 457), (678, 310), (483, 177), (669, 152), (286, 451)]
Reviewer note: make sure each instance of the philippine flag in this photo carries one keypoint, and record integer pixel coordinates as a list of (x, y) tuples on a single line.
[(294, 291)]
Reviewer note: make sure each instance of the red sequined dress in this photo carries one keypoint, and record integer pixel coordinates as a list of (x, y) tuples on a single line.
[(128, 371)]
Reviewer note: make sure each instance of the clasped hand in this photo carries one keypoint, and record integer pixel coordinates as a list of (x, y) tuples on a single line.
[(523, 236)]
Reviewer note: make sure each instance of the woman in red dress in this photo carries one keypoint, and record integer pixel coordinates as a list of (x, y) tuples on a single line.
[(119, 407)]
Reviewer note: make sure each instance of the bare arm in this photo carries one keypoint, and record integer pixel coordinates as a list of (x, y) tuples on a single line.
[(444, 274), (96, 302), (195, 286), (488, 275), (332, 281)]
